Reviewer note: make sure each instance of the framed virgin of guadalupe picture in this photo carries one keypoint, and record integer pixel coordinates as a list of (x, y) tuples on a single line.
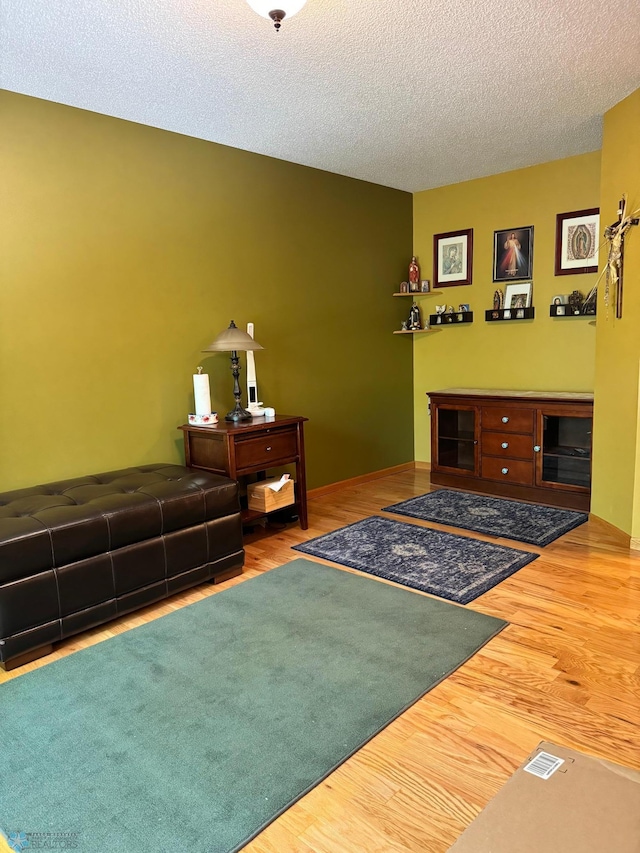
[(513, 254), (452, 258), (577, 241)]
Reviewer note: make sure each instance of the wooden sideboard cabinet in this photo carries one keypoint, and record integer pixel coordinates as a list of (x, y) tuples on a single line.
[(528, 445)]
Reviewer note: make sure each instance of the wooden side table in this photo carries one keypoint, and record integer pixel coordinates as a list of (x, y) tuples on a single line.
[(238, 448)]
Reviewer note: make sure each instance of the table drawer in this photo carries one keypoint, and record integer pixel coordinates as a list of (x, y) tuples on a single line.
[(506, 419), (507, 470), (267, 450), (507, 444)]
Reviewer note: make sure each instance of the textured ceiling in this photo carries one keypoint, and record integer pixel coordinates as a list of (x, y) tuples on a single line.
[(402, 93)]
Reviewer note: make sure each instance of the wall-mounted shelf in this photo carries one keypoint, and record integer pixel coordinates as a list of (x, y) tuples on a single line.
[(566, 311), (454, 319), (421, 293), (412, 331), (497, 314)]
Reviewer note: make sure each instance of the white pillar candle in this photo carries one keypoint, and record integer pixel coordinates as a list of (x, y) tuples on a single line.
[(202, 393)]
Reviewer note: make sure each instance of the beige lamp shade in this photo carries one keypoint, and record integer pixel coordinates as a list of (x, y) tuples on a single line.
[(233, 339)]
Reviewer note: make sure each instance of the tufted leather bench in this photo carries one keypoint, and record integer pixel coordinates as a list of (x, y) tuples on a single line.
[(80, 552)]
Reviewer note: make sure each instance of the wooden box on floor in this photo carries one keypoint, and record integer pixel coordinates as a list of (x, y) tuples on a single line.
[(262, 498)]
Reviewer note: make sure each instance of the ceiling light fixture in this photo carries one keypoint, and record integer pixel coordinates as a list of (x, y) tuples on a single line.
[(285, 9)]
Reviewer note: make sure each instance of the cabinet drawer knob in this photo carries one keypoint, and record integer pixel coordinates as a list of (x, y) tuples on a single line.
[(505, 470), (505, 444), (505, 420), (536, 447), (268, 448)]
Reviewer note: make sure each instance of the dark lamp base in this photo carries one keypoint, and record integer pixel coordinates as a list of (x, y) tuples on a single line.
[(238, 414)]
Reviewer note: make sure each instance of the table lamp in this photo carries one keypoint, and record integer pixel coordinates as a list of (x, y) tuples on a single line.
[(234, 340)]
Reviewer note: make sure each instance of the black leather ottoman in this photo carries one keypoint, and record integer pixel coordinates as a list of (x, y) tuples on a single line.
[(80, 552)]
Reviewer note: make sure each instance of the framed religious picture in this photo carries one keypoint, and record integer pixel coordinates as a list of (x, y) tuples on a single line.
[(452, 258), (518, 295), (513, 254), (577, 241)]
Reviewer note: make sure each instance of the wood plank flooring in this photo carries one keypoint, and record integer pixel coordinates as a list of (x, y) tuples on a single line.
[(566, 669)]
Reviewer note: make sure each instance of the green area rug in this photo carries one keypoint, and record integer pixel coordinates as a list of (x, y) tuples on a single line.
[(195, 731)]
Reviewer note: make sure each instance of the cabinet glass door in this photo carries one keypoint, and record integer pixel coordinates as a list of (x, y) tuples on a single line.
[(565, 450), (456, 442)]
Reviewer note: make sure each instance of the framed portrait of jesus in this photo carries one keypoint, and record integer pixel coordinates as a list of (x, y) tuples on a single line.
[(513, 254)]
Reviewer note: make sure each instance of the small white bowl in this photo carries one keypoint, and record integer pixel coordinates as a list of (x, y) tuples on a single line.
[(203, 420)]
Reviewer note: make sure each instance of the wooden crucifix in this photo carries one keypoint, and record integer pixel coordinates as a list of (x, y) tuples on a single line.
[(615, 234)]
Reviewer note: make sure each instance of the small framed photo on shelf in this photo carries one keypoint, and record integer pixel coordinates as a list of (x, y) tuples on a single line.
[(425, 287), (452, 258), (513, 254), (577, 241), (518, 295)]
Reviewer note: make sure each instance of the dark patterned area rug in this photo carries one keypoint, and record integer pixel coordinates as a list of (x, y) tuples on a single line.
[(453, 567), (532, 523)]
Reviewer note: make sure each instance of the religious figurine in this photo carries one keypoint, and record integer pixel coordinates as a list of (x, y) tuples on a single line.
[(575, 301), (414, 323), (403, 327), (414, 275), (498, 300), (449, 309), (404, 287), (614, 235)]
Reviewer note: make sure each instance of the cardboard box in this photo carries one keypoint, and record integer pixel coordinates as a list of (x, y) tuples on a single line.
[(584, 805), (262, 498)]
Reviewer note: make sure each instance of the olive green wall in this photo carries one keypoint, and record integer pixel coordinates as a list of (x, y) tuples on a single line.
[(616, 460), (126, 249), (540, 354)]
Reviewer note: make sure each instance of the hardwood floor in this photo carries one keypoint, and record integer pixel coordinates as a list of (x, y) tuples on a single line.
[(566, 669)]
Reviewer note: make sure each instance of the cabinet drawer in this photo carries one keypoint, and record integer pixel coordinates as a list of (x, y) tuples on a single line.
[(266, 450), (507, 419), (507, 470), (507, 444)]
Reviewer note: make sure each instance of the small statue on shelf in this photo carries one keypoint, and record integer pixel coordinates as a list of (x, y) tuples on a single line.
[(498, 300), (575, 301), (414, 322), (414, 275), (404, 287)]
